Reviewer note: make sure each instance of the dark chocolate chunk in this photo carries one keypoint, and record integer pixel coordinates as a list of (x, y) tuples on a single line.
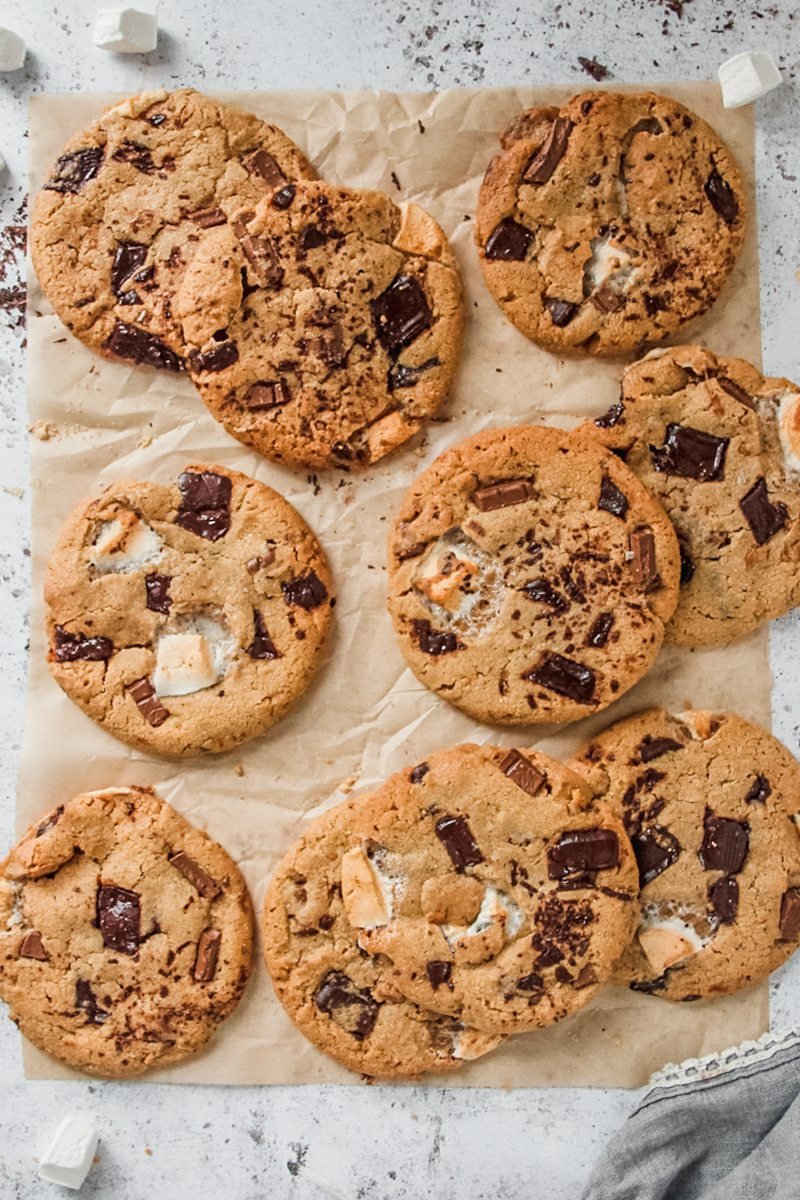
[(764, 518), (790, 915), (724, 899), (207, 218), (438, 972), (312, 237), (648, 986), (205, 507), (260, 252), (721, 197), (144, 696), (530, 983), (586, 977), (128, 258), (561, 311), (216, 359), (582, 850), (606, 299), (119, 918), (600, 629), (262, 645), (563, 675), (400, 314), (759, 790), (644, 566), (502, 495), (50, 822), (690, 453), (157, 588), (509, 241), (687, 562), (263, 395), (306, 591), (653, 747), (261, 562), (156, 119), (284, 196), (136, 345), (401, 376), (205, 963), (522, 772), (655, 849), (32, 946), (137, 155), (208, 888), (544, 162), (725, 843), (456, 836), (734, 390), (262, 163), (612, 416), (354, 1008), (545, 593), (86, 999), (435, 641), (71, 647), (74, 170), (612, 500), (419, 772)]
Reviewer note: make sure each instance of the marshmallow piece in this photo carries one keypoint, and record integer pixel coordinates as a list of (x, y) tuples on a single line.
[(470, 1044), (364, 893), (125, 30), (12, 50), (184, 664), (125, 544), (68, 1158), (668, 943), (745, 77), (789, 424)]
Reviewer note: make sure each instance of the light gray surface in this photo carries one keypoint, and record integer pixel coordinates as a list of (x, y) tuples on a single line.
[(371, 1142)]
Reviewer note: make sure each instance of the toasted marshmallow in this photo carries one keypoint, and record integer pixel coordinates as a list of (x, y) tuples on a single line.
[(610, 264), (184, 664), (747, 76), (668, 942), (125, 30), (496, 909), (789, 425), (125, 543), (366, 893)]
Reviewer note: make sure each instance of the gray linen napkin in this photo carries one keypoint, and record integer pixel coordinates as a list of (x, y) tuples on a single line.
[(722, 1128)]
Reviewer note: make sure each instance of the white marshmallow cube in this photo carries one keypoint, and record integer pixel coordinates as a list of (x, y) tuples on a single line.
[(184, 664), (745, 77), (69, 1157), (125, 30), (12, 50)]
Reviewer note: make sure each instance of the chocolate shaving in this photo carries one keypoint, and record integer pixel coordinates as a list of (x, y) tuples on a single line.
[(653, 747), (543, 592), (401, 376), (735, 391), (86, 999), (144, 696), (208, 888), (137, 155), (128, 258), (207, 218)]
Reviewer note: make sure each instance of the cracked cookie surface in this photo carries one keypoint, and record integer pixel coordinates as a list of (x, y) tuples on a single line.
[(114, 227), (530, 576), (125, 933), (186, 618), (719, 445), (711, 804), (608, 223)]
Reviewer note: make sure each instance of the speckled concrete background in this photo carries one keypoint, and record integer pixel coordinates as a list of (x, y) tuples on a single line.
[(371, 1142)]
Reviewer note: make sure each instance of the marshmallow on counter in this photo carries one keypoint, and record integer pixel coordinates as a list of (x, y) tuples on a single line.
[(69, 1157), (12, 50), (745, 77), (125, 30)]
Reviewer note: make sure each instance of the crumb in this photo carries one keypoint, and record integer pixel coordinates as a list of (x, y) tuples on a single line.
[(592, 67), (238, 770), (44, 430)]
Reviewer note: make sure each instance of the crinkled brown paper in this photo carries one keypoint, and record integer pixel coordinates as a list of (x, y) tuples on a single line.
[(366, 715)]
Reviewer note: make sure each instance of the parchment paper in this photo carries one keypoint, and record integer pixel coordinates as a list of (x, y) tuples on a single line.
[(366, 716)]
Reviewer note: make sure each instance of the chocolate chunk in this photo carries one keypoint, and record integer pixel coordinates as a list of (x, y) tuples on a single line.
[(530, 983), (137, 155), (586, 977), (144, 696), (157, 588), (50, 822), (643, 547), (306, 591), (438, 972), (522, 772), (545, 593), (119, 918), (612, 500), (70, 647), (655, 849), (312, 237), (32, 946), (544, 162), (653, 747), (563, 675), (355, 1009), (86, 999), (434, 641), (503, 495), (205, 507), (582, 850), (262, 645), (261, 562), (725, 843), (73, 171), (759, 790), (128, 258), (419, 772), (260, 252), (790, 915), (509, 241), (735, 391), (284, 196), (690, 453), (607, 300), (687, 562), (721, 197), (208, 888), (400, 314), (612, 416), (600, 629), (561, 311), (648, 986), (401, 376), (262, 163), (456, 836), (724, 899), (764, 518), (207, 218), (205, 964), (216, 359), (135, 344), (263, 395)]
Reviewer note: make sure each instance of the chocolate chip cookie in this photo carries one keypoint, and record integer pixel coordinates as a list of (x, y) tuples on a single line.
[(496, 893), (720, 446), (711, 805), (125, 934), (342, 999), (123, 210), (335, 326), (530, 576), (608, 223), (187, 617)]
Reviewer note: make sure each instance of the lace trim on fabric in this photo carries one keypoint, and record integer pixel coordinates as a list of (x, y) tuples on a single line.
[(696, 1069)]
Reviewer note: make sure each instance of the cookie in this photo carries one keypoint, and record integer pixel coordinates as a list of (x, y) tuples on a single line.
[(531, 576), (187, 617), (719, 445), (335, 327), (123, 210), (339, 997), (711, 805), (499, 897), (610, 222), (125, 934)]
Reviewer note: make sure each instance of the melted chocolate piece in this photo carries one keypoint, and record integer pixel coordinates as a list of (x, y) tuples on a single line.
[(509, 241), (522, 772), (690, 453), (86, 999), (725, 844), (435, 641), (655, 849), (205, 507), (612, 416), (456, 836), (284, 196), (759, 790), (74, 170), (544, 162), (503, 494), (600, 629), (262, 163), (137, 155), (128, 258), (561, 311), (261, 562), (607, 300), (262, 645), (563, 675), (735, 391), (205, 963), (545, 593), (723, 897), (50, 822), (260, 252), (643, 564), (687, 563), (32, 946), (653, 747), (157, 588), (721, 197), (207, 218), (263, 395), (764, 518), (581, 851), (216, 359), (401, 376), (136, 345), (400, 314), (419, 772), (612, 500), (312, 237), (586, 977), (208, 888), (306, 591), (648, 986), (530, 983), (356, 1010), (119, 918), (72, 647), (790, 915), (438, 972)]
